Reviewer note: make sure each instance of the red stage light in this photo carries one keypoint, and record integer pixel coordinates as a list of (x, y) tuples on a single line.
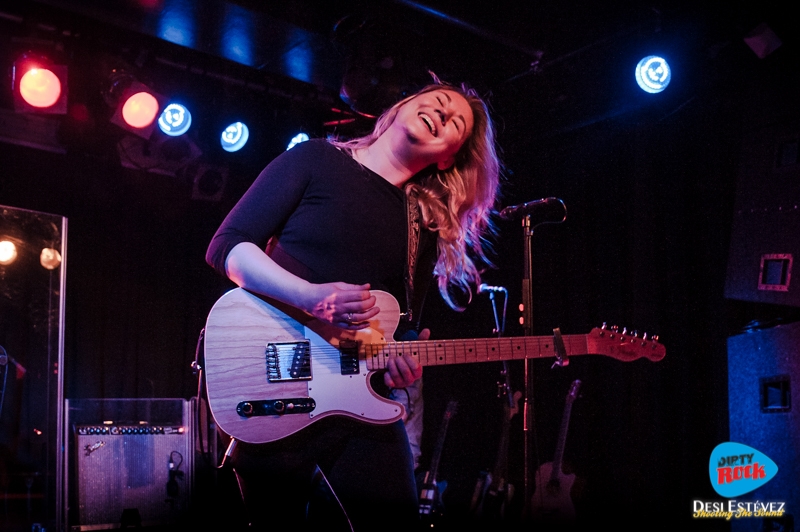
[(140, 110), (136, 106), (39, 85)]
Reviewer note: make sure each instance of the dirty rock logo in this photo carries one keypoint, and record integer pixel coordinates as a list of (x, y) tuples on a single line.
[(736, 469)]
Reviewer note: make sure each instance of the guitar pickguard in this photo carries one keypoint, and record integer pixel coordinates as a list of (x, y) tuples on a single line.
[(348, 394)]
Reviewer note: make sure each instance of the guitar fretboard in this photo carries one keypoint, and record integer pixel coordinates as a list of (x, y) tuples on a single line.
[(444, 352)]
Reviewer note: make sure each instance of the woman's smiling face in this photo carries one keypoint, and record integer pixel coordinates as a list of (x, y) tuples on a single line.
[(436, 123)]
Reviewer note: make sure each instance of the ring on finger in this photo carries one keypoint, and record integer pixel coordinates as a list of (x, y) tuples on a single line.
[(350, 317)]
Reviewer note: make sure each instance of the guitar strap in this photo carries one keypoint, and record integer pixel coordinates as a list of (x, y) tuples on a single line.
[(413, 218), (419, 263)]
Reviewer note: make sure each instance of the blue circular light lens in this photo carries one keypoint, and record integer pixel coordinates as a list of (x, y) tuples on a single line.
[(234, 137), (653, 74), (175, 120)]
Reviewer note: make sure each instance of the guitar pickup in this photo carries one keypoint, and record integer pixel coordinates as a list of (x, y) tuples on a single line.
[(288, 361), (276, 407), (348, 357)]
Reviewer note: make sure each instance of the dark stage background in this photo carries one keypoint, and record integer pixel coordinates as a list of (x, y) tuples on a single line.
[(650, 188)]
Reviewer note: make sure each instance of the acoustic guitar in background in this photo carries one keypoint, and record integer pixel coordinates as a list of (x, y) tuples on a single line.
[(552, 501)]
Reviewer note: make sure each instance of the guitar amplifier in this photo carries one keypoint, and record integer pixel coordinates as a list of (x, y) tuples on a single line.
[(765, 233), (762, 364), (131, 462)]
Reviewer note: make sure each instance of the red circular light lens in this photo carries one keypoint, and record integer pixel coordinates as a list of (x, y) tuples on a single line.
[(39, 87), (140, 110)]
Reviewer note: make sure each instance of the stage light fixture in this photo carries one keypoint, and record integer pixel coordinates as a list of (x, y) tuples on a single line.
[(234, 137), (297, 139), (136, 106), (175, 120), (50, 258), (653, 74), (140, 110), (208, 181), (39, 85), (8, 252)]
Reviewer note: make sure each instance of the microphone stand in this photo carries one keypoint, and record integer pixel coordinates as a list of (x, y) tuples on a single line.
[(527, 326)]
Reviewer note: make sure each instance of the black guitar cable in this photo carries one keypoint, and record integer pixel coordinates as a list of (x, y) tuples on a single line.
[(175, 474)]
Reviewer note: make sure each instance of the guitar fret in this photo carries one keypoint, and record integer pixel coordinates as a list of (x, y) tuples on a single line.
[(480, 350), (518, 348), (494, 351), (459, 352), (413, 349), (372, 355), (440, 352)]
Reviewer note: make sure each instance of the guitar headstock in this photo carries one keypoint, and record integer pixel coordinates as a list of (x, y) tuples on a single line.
[(624, 345)]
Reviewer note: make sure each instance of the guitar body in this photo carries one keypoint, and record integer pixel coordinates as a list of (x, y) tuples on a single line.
[(431, 506), (493, 498), (493, 492), (552, 499), (238, 329)]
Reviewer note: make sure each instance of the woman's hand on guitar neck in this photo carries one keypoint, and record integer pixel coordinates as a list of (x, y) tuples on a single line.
[(404, 370)]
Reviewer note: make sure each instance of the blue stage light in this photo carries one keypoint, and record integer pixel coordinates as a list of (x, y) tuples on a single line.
[(234, 137), (175, 120), (297, 139), (653, 74)]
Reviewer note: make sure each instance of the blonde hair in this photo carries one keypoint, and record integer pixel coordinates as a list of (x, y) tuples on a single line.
[(457, 202)]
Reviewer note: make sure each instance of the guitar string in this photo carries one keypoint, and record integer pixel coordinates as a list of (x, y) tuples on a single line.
[(455, 351)]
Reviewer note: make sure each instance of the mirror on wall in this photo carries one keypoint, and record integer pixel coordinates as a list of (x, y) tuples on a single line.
[(32, 280)]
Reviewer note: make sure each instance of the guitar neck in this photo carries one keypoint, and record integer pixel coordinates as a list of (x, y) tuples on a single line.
[(437, 455), (445, 352), (562, 433), (562, 438)]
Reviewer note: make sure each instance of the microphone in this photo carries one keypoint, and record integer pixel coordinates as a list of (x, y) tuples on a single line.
[(545, 210), (491, 289)]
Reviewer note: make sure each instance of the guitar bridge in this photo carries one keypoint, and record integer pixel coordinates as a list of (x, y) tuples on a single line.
[(288, 361)]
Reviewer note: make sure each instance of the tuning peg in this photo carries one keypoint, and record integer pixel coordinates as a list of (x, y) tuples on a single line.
[(644, 336), (654, 338), (604, 326)]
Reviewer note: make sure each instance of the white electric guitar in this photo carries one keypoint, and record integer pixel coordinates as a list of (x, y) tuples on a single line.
[(271, 370)]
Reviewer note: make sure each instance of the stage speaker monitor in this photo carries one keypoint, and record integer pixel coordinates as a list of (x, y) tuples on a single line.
[(765, 233), (131, 462), (763, 371)]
